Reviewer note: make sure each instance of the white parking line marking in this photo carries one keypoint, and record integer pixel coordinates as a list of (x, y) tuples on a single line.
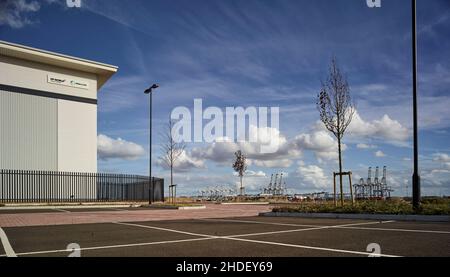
[(165, 229), (302, 230), (10, 252), (236, 237), (243, 235), (395, 230), (308, 247), (258, 222), (6, 245), (277, 232), (285, 224), (110, 246), (338, 227), (210, 237)]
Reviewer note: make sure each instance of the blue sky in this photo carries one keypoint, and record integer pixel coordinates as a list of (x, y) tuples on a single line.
[(259, 53)]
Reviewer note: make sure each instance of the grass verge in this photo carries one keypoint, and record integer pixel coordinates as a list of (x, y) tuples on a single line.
[(435, 206)]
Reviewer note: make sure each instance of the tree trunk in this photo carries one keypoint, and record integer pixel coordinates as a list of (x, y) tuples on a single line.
[(340, 172), (171, 184), (171, 179), (242, 189), (334, 186), (171, 175)]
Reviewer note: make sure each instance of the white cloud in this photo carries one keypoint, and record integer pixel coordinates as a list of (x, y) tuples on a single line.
[(319, 141), (118, 99), (251, 173), (370, 88), (429, 27), (313, 176), (379, 154), (443, 159), (13, 13), (386, 129), (16, 13), (365, 146), (109, 148), (184, 162), (222, 151), (279, 163), (436, 178)]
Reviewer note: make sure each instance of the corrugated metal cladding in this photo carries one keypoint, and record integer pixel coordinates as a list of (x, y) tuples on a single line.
[(28, 132)]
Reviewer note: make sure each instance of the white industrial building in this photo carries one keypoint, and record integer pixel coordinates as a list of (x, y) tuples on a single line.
[(48, 110)]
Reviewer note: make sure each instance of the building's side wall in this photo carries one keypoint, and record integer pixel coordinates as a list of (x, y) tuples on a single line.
[(77, 136), (28, 132), (31, 125), (41, 130)]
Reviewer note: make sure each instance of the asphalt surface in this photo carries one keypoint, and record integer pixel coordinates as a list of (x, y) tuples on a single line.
[(236, 237)]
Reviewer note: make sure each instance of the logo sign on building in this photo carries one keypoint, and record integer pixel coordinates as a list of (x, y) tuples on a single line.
[(66, 81)]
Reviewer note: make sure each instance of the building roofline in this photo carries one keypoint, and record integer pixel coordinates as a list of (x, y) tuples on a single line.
[(102, 70)]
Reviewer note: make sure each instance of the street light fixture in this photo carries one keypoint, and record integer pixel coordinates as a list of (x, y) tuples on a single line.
[(151, 185), (416, 177)]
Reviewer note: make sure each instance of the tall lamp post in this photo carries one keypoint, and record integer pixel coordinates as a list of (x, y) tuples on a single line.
[(416, 177), (150, 92)]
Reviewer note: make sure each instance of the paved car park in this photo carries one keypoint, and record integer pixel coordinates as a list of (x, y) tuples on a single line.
[(200, 234)]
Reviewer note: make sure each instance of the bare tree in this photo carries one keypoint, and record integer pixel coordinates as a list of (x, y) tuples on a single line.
[(171, 150), (336, 108), (240, 166)]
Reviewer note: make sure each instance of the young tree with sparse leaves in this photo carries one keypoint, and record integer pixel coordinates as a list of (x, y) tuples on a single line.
[(171, 150), (240, 166), (336, 108)]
